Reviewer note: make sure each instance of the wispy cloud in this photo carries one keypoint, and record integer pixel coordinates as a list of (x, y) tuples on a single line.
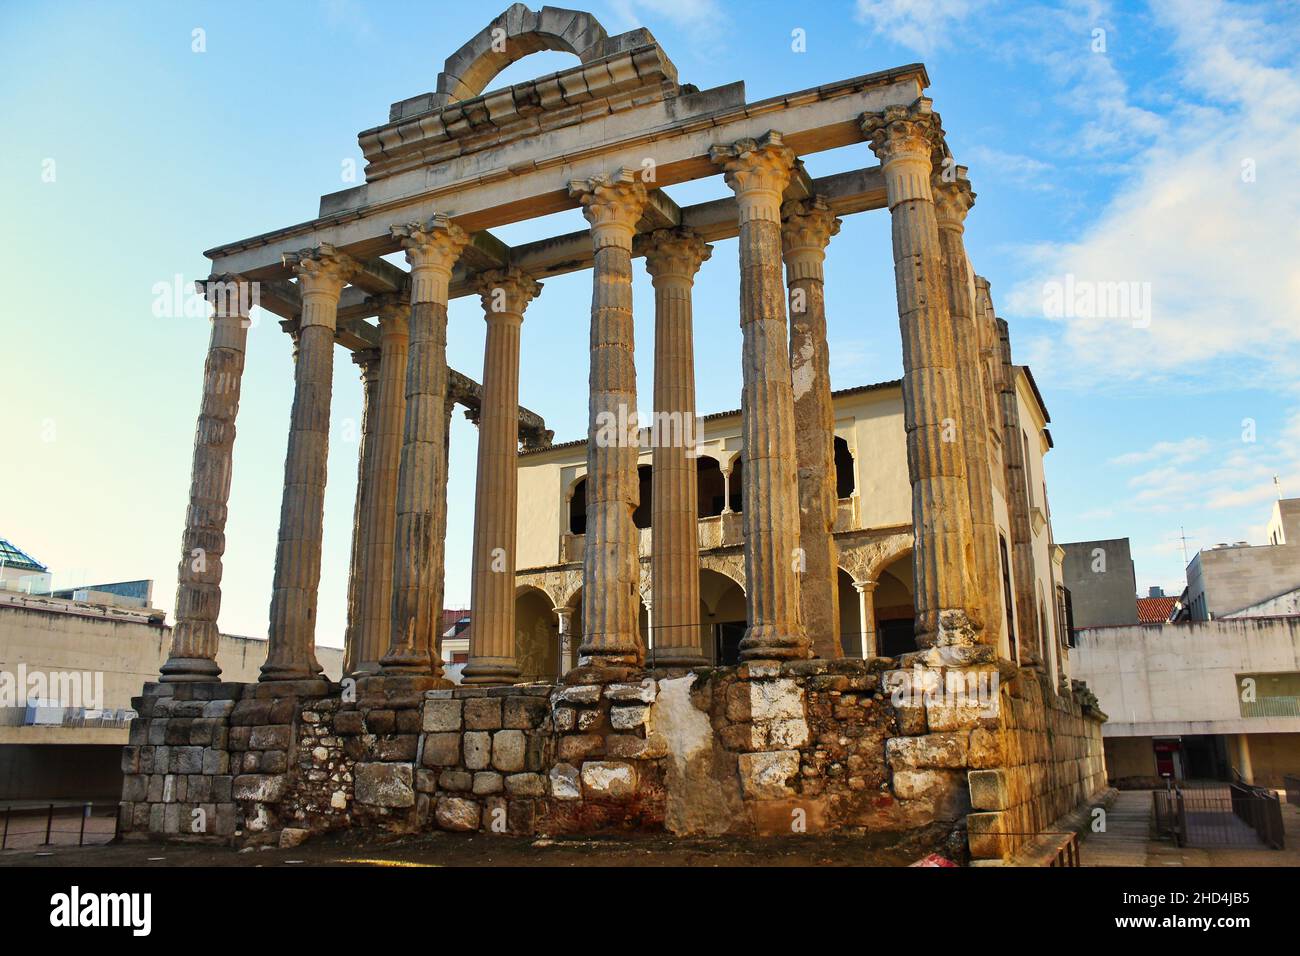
[(1173, 452), (920, 25)]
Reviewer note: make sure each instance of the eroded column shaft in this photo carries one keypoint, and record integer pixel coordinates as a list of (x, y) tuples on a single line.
[(903, 139), (672, 258), (610, 569), (492, 656), (291, 651), (358, 566), (808, 227), (195, 637), (420, 525), (758, 172)]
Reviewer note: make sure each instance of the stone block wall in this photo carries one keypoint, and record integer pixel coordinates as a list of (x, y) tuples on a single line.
[(1046, 759), (759, 749)]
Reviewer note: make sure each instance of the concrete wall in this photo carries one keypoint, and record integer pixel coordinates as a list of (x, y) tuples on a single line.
[(127, 647), (1166, 680), (1223, 580), (1101, 598)]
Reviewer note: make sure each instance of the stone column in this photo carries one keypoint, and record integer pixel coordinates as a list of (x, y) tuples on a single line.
[(291, 652), (611, 641), (673, 257), (758, 171), (193, 655), (808, 227), (358, 568), (867, 615), (902, 138), (383, 457), (420, 527), (726, 488), (953, 199), (1021, 544), (505, 295), (564, 623)]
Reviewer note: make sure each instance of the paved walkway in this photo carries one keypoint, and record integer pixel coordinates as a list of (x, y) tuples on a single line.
[(1127, 841)]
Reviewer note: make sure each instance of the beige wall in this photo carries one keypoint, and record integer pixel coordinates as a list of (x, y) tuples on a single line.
[(871, 423)]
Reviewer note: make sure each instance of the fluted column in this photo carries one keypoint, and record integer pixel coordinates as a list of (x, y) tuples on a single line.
[(611, 641), (758, 171), (291, 652), (198, 594), (808, 227), (505, 295), (358, 568), (673, 257), (1021, 544), (379, 513), (902, 138), (953, 200), (420, 526)]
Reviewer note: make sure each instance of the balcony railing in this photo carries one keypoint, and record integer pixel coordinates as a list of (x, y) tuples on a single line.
[(1271, 707)]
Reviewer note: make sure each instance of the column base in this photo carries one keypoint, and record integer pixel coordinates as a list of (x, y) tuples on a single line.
[(600, 673), (411, 662), (768, 642), (683, 658), (286, 672), (186, 670), (490, 671)]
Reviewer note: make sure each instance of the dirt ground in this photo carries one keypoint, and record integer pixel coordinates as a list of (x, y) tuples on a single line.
[(445, 849)]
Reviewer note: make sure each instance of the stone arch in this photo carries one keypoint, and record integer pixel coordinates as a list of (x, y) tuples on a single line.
[(469, 70)]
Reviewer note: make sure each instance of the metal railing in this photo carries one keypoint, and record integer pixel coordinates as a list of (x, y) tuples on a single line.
[(1221, 815), (55, 823)]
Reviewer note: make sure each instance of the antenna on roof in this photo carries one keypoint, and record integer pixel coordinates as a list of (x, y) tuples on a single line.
[(1182, 533), (1278, 485)]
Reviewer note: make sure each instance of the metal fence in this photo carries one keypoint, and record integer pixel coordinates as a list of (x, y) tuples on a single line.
[(1221, 815), (36, 825)]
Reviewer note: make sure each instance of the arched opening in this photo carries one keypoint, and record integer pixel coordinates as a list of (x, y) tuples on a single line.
[(711, 489), (641, 516), (578, 508), (737, 483), (895, 608), (851, 633), (537, 636), (844, 480), (723, 617)]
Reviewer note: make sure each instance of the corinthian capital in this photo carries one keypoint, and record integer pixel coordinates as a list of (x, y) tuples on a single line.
[(953, 197), (394, 313), (434, 245), (760, 165), (807, 227), (903, 132), (611, 203), (674, 253), (322, 270), (507, 291)]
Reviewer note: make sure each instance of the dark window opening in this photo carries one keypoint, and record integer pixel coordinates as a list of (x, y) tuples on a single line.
[(844, 482)]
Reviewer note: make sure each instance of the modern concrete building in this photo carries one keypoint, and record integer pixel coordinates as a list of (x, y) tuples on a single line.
[(1196, 700), (69, 667), (1205, 697), (1244, 580), (1101, 581)]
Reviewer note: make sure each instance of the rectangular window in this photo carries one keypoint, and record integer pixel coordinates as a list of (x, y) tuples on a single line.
[(1006, 599)]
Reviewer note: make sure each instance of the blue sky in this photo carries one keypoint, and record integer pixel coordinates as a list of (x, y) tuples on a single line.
[(1170, 158)]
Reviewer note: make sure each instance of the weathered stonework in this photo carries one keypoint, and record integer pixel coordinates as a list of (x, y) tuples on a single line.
[(765, 748)]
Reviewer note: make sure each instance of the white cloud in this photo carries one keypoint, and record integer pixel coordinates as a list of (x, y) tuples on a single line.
[(1218, 252), (920, 25), (1174, 452), (694, 14)]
